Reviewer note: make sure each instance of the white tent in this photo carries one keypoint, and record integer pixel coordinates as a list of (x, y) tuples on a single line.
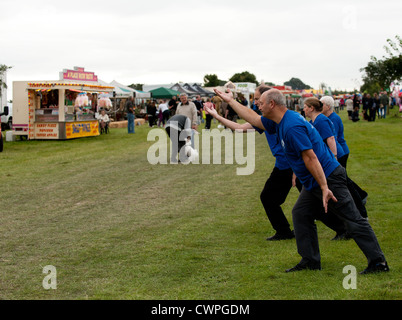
[(121, 89)]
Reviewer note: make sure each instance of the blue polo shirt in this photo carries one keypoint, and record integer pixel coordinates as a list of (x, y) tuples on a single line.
[(270, 133), (297, 135), (338, 125), (326, 129)]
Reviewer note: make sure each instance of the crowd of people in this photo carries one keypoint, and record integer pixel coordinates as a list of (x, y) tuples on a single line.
[(158, 111), (366, 107), (371, 107)]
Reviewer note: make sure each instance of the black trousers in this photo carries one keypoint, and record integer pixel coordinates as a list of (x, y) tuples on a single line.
[(208, 119), (371, 114), (358, 194), (177, 143), (274, 194), (345, 209)]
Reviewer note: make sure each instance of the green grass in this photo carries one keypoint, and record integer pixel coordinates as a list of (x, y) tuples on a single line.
[(116, 227)]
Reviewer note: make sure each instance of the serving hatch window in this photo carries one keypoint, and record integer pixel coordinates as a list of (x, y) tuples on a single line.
[(47, 99)]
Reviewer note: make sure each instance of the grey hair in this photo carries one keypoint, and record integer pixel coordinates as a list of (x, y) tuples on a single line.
[(183, 94), (276, 96), (329, 101)]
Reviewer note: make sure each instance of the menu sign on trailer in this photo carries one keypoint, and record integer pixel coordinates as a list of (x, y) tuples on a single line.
[(82, 129), (46, 131), (78, 74)]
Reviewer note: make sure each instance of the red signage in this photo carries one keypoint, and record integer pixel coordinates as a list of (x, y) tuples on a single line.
[(78, 74)]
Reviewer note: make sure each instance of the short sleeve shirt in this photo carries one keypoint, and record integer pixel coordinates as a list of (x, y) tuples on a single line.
[(297, 135), (338, 125), (272, 137), (326, 129)]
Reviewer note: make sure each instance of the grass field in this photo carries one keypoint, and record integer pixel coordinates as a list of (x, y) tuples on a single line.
[(117, 227)]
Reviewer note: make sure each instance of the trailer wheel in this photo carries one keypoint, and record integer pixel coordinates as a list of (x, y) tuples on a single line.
[(1, 142)]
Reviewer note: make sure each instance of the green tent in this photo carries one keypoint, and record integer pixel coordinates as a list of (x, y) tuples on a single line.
[(163, 93)]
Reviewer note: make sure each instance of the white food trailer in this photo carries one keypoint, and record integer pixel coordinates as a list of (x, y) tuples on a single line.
[(61, 109)]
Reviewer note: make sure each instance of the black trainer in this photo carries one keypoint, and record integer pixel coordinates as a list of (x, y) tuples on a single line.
[(305, 266), (376, 267), (282, 236)]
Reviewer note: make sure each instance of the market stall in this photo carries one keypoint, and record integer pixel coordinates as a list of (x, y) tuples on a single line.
[(164, 93), (59, 110)]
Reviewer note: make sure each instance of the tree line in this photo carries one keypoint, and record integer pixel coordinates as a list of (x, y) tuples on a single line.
[(380, 73)]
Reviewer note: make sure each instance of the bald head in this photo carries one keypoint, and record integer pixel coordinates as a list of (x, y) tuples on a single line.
[(272, 105), (274, 95)]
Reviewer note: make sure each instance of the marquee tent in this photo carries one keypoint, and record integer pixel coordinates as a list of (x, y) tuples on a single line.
[(201, 91), (163, 93), (121, 89), (189, 92)]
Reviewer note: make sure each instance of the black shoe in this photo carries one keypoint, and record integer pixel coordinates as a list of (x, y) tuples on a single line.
[(376, 267), (282, 236), (305, 266), (341, 236)]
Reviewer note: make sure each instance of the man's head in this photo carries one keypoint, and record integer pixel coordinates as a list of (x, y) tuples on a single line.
[(183, 98), (258, 92), (270, 100)]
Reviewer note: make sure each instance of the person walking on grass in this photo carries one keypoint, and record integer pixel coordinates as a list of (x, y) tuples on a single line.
[(130, 115), (322, 177), (188, 109)]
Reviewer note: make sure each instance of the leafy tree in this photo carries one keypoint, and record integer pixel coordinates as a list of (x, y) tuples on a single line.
[(244, 76), (381, 72), (297, 84), (3, 85), (370, 87), (212, 80), (271, 84)]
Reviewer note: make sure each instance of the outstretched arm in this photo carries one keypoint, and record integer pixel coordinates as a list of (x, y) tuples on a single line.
[(245, 113), (226, 122)]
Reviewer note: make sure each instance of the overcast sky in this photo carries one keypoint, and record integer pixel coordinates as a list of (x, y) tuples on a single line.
[(155, 41)]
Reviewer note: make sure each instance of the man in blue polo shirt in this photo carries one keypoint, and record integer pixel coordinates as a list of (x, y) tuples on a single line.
[(323, 179)]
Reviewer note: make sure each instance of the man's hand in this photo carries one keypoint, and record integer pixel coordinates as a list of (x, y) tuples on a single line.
[(326, 196), (313, 165), (294, 180), (226, 96), (210, 110)]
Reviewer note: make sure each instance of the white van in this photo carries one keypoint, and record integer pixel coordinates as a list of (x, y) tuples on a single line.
[(7, 120)]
